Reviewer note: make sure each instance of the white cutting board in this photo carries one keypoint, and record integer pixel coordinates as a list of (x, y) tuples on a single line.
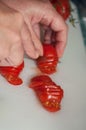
[(20, 109)]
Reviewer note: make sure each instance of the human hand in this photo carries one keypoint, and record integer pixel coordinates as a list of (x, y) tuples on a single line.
[(11, 49), (36, 12)]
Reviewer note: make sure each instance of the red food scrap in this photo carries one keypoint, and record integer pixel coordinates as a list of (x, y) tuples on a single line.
[(49, 94), (48, 62), (11, 74)]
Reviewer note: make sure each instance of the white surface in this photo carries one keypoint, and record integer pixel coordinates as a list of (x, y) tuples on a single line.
[(20, 109)]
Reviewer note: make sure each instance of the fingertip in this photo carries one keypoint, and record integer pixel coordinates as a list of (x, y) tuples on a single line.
[(33, 54), (41, 51), (36, 55), (60, 50)]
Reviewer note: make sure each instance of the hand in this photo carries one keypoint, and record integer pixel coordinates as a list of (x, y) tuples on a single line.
[(36, 12), (11, 49)]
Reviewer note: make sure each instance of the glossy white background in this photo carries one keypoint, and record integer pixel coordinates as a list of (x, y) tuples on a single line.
[(20, 109)]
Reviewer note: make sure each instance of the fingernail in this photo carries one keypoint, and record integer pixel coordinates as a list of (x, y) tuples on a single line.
[(60, 52), (36, 54), (41, 53)]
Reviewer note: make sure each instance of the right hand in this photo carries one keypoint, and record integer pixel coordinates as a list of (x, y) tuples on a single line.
[(11, 49), (36, 12)]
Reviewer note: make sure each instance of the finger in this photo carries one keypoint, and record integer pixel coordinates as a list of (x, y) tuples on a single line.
[(57, 24), (36, 29), (47, 35), (35, 39), (53, 38), (5, 62), (60, 28), (38, 32), (61, 39), (16, 55), (28, 43)]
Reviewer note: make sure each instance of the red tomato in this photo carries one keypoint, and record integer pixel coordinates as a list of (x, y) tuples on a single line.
[(48, 62), (62, 7), (39, 80), (53, 1), (49, 94), (11, 74)]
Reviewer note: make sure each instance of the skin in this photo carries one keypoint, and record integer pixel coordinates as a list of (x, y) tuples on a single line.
[(36, 13), (11, 49)]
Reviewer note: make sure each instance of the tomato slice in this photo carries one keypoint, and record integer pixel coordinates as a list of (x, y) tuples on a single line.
[(48, 93), (48, 62), (11, 73), (13, 79), (39, 81)]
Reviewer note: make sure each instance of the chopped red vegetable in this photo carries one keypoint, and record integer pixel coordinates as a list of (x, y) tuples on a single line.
[(11, 74), (48, 62), (49, 94)]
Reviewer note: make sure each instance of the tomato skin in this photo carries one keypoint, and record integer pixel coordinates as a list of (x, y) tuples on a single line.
[(49, 94), (48, 62), (11, 73), (39, 80), (62, 7)]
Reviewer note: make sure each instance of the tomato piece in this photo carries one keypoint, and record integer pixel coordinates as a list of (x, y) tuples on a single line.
[(62, 7), (48, 62), (14, 80), (39, 80), (11, 73), (49, 94)]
